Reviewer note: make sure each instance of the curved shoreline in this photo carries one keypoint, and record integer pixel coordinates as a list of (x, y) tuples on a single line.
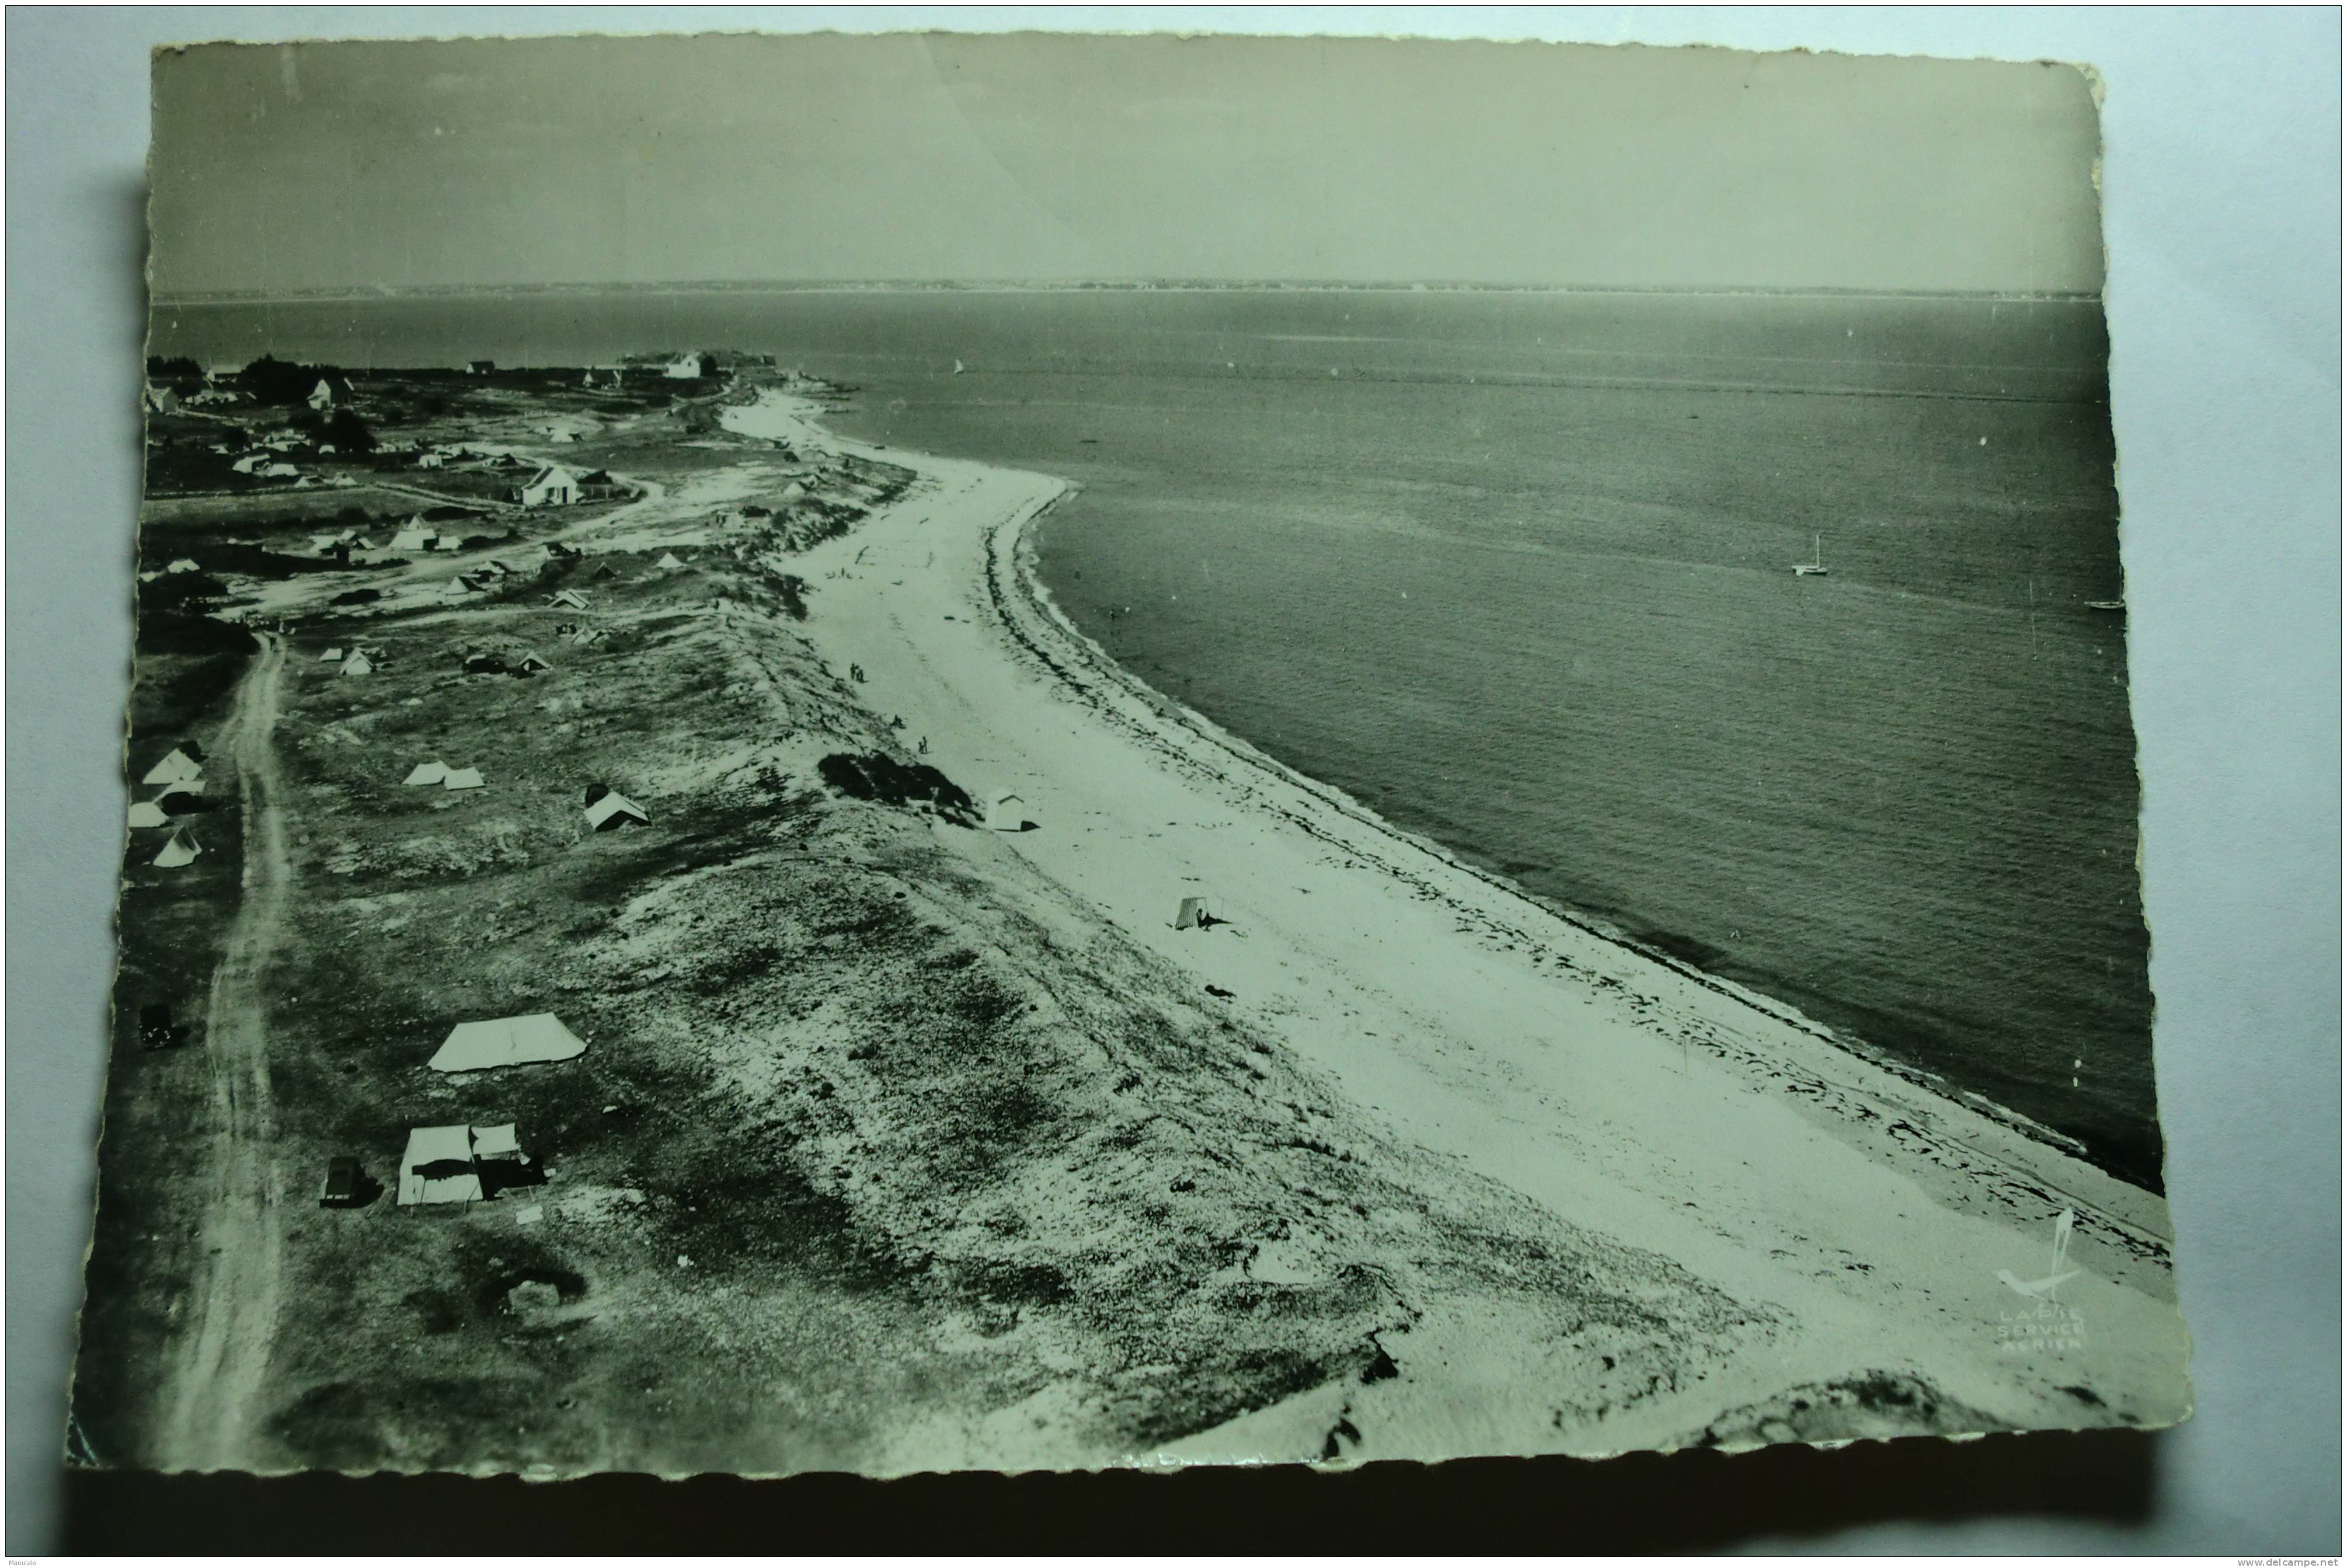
[(1664, 1108)]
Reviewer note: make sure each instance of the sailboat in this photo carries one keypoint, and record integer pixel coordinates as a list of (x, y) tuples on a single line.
[(1816, 565)]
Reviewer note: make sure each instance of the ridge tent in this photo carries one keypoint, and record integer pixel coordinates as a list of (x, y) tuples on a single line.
[(486, 1043), (428, 773), (532, 663), (146, 813), (570, 599), (616, 810), (1192, 916), (330, 656), (415, 538), (668, 563), (358, 664), (176, 768), (178, 852), (462, 778)]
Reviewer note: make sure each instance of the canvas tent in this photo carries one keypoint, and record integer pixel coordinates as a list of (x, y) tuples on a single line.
[(428, 773), (571, 599), (358, 664), (437, 1168), (178, 852), (415, 538), (1005, 813), (176, 768), (146, 813), (532, 663), (330, 656), (479, 1046), (461, 778), (1192, 916), (616, 810)]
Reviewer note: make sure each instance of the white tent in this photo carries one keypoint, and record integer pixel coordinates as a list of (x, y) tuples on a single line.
[(177, 768), (616, 810), (506, 1042), (178, 852), (428, 773), (571, 599), (1005, 813), (1192, 915), (413, 538), (438, 1167), (330, 656), (668, 563), (462, 778), (358, 664), (497, 1143), (146, 813)]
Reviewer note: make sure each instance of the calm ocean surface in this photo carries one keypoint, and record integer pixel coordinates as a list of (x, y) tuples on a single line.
[(1515, 569)]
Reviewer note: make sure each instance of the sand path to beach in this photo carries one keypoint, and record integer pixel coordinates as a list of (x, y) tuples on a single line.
[(1870, 1217)]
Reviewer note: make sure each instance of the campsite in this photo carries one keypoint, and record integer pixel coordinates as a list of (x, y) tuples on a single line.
[(850, 1073)]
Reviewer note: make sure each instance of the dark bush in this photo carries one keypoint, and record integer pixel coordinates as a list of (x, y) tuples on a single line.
[(878, 776)]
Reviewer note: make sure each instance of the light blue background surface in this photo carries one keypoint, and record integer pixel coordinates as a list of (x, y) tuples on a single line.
[(2223, 183)]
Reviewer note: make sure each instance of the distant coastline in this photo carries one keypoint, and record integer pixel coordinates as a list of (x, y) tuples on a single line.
[(1115, 285)]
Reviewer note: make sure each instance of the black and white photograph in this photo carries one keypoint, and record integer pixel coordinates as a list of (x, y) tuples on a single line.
[(923, 752)]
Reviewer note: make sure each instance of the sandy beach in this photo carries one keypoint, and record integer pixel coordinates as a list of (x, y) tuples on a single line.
[(1883, 1229)]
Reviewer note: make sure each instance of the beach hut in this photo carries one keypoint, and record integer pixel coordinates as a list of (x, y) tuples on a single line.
[(437, 1168), (428, 773), (176, 768), (180, 851), (611, 809), (462, 778), (358, 664), (1005, 813), (487, 1043), (1192, 916), (146, 813)]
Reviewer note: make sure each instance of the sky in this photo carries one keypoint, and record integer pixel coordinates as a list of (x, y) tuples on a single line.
[(1046, 158)]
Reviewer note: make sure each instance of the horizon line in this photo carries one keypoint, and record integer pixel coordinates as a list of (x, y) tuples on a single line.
[(353, 293)]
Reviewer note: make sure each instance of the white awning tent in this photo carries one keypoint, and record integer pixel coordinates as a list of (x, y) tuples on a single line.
[(1005, 813), (428, 773), (616, 810), (497, 1143), (146, 813), (487, 1043), (177, 768), (462, 778)]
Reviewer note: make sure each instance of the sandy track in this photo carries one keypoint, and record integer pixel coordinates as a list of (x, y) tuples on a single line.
[(1867, 1213), (217, 1367)]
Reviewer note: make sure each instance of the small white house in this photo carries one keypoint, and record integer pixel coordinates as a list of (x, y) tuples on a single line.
[(322, 396), (686, 367), (552, 486)]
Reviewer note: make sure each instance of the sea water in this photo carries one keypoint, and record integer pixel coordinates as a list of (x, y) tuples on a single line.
[(1515, 569)]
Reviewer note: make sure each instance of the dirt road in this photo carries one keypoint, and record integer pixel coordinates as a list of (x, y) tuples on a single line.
[(229, 1318)]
